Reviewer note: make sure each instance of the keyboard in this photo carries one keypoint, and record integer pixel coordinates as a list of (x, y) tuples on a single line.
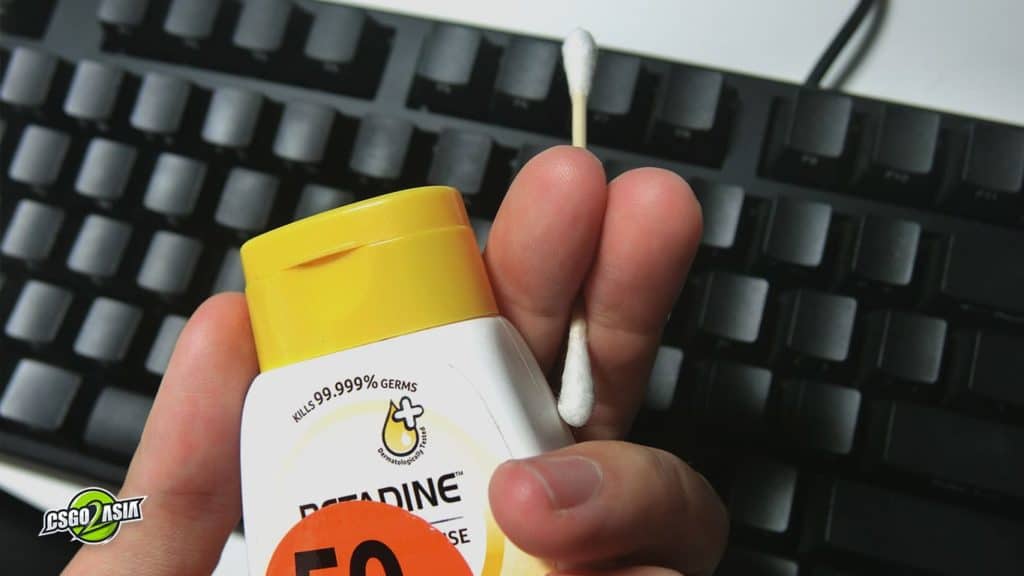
[(844, 363)]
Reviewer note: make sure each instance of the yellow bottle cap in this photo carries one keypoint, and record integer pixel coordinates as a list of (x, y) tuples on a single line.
[(365, 272)]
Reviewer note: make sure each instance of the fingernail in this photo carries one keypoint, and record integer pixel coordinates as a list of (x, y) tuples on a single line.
[(569, 480)]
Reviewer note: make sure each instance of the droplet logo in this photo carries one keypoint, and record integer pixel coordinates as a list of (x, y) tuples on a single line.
[(401, 435)]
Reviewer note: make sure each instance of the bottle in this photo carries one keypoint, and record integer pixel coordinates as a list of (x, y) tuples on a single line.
[(390, 389)]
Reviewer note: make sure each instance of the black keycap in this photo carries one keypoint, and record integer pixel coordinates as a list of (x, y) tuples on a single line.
[(481, 229), (906, 346), (820, 415), (661, 387), (797, 232), (449, 70), (174, 185), (993, 365), (27, 18), (93, 92), (108, 330), (232, 117), (122, 13), (983, 270), (460, 160), (380, 147), (105, 170), (731, 306), (722, 205), (32, 230), (525, 78), (163, 345), (39, 395), (885, 250), (818, 324), (935, 443), (99, 247), (304, 131), (917, 533), (39, 156), (38, 312), (117, 420), (261, 25), (169, 263), (334, 36), (230, 277), (737, 397), (191, 20), (614, 84), (161, 103), (690, 121), (27, 78), (995, 158), (907, 143), (815, 140), (316, 199), (739, 562), (763, 496), (247, 200)]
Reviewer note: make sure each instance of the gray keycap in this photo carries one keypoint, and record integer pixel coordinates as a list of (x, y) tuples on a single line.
[(380, 147), (303, 132), (481, 229), (174, 185), (38, 313), (820, 415), (247, 199), (123, 13), (335, 33), (93, 92), (316, 199), (117, 420), (27, 78), (262, 24), (39, 157), (191, 19), (661, 388), (763, 496), (460, 160), (105, 170), (160, 104), (231, 118), (230, 277), (108, 330), (99, 247), (169, 263), (39, 395), (163, 344), (32, 231)]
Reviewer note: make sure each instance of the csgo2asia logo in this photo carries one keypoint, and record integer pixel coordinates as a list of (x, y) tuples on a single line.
[(93, 516), (402, 437)]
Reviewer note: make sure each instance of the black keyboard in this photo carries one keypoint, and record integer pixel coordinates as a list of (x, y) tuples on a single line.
[(846, 362)]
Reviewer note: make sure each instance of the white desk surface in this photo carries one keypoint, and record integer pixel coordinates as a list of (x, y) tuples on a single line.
[(950, 55)]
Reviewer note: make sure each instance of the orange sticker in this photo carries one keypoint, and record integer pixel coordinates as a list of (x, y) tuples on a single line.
[(365, 539)]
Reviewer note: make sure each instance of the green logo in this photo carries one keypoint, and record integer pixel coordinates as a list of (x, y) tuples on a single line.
[(93, 516)]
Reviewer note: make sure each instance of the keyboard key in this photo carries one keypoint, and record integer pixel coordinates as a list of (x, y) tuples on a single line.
[(230, 277), (108, 330), (821, 416), (722, 205), (261, 25), (524, 83), (191, 20), (917, 533), (743, 563), (232, 117), (661, 387), (818, 324), (27, 78), (163, 345), (935, 443), (906, 346), (169, 263), (689, 119), (737, 398), (117, 420), (731, 306), (450, 71), (481, 229), (316, 199), (797, 232), (122, 13), (815, 140), (39, 395), (39, 157), (908, 140), (246, 201), (982, 270), (100, 246), (993, 174), (380, 148), (885, 250), (994, 364), (613, 110), (161, 104), (334, 36), (763, 496), (38, 313), (174, 185), (27, 18), (93, 92), (460, 160), (32, 231), (304, 132), (105, 170)]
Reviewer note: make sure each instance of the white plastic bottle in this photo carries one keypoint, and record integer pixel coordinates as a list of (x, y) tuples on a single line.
[(390, 390)]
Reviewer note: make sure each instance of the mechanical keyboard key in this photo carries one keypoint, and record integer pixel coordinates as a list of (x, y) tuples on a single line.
[(994, 364), (905, 345), (738, 562), (247, 200), (820, 415), (122, 13), (163, 345), (38, 312), (32, 231), (39, 395), (108, 330), (818, 325), (935, 443), (117, 420), (448, 73), (93, 92), (303, 133), (27, 78), (169, 263), (661, 387), (315, 199), (797, 232), (690, 121), (460, 160), (611, 104), (99, 247), (763, 496), (334, 36), (731, 306), (230, 277), (191, 20), (905, 152), (39, 157), (174, 185), (993, 174), (736, 397), (380, 148), (885, 250), (261, 25), (982, 270), (232, 117), (722, 205), (25, 17), (525, 81), (105, 170), (816, 140), (161, 103)]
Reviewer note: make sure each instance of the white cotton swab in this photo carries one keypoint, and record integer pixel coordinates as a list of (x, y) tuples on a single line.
[(576, 398)]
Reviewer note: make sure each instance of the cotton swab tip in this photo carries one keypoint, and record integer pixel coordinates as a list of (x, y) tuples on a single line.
[(579, 56), (576, 398)]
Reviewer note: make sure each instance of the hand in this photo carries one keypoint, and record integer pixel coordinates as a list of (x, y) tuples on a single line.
[(599, 507)]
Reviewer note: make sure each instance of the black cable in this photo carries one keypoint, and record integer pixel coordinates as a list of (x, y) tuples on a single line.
[(839, 42)]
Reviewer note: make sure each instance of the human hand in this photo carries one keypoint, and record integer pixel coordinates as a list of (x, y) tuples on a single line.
[(599, 507)]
